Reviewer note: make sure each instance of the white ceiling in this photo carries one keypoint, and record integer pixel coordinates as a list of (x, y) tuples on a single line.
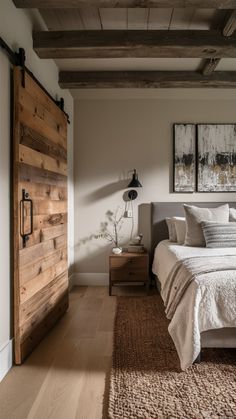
[(139, 64), (227, 64), (136, 18), (126, 64)]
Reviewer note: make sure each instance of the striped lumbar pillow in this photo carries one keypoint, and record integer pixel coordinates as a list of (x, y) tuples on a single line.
[(219, 234)]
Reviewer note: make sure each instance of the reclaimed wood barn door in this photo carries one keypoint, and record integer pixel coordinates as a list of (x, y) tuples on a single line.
[(40, 213)]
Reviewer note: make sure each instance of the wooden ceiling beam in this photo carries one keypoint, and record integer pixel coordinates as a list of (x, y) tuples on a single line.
[(230, 25), (228, 30), (144, 79), (72, 4), (120, 44), (210, 66)]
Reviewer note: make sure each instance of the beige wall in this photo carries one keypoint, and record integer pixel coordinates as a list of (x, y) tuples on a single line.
[(16, 29), (119, 131)]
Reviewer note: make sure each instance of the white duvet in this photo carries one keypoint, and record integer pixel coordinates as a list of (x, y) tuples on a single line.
[(208, 303)]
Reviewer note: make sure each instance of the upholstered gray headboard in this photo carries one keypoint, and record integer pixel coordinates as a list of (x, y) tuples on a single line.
[(161, 210)]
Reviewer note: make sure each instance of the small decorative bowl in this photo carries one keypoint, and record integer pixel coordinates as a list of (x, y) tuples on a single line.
[(116, 250)]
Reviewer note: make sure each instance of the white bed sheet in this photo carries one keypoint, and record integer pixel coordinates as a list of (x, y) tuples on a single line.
[(208, 303)]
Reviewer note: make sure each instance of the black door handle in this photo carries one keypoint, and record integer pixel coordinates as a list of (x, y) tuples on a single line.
[(25, 235)]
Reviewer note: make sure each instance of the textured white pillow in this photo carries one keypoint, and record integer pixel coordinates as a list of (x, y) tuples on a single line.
[(194, 217), (180, 226), (170, 221), (232, 214)]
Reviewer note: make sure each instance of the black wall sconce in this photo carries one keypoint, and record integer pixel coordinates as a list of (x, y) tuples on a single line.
[(134, 183)]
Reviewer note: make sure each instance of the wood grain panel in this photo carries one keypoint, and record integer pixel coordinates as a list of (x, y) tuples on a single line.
[(136, 43), (32, 174), (43, 310), (30, 307), (36, 123), (34, 106), (33, 239), (41, 221), (34, 269), (38, 251), (37, 142), (59, 242), (41, 235), (44, 326), (36, 159), (40, 174), (41, 97), (145, 79), (43, 191), (47, 206), (52, 232), (30, 288)]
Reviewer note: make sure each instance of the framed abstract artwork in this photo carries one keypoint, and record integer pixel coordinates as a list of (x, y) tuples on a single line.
[(184, 158), (216, 157)]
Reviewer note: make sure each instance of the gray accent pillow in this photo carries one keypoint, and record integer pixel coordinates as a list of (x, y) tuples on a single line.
[(194, 217), (219, 234), (232, 214)]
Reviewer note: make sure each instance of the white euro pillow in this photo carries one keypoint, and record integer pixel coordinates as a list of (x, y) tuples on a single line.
[(170, 221), (180, 226), (232, 214)]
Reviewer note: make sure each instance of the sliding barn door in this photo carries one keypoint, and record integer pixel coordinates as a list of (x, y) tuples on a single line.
[(40, 214)]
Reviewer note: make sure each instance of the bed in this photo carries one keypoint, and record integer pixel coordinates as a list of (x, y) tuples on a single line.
[(197, 321)]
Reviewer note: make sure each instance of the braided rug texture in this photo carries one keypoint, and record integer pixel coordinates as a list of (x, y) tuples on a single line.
[(146, 380)]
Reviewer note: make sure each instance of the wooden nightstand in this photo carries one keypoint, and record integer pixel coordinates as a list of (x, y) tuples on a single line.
[(128, 268)]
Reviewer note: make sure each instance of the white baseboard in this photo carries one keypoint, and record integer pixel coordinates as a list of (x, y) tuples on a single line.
[(90, 279), (5, 359)]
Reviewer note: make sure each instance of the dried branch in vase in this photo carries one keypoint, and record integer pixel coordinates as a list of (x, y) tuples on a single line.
[(111, 228)]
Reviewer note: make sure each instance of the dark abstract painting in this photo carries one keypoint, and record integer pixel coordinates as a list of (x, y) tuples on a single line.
[(184, 157), (216, 158)]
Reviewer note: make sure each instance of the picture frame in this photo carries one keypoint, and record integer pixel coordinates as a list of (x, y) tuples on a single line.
[(184, 158), (216, 157)]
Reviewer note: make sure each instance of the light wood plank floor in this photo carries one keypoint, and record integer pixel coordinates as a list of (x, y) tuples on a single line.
[(64, 378)]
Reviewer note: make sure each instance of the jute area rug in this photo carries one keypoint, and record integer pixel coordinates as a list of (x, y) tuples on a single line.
[(146, 380)]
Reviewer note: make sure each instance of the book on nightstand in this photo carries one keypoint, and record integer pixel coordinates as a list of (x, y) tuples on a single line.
[(135, 248), (135, 245)]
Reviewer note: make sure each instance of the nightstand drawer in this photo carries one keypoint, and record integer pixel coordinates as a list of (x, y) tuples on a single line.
[(128, 268), (126, 275), (128, 262)]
